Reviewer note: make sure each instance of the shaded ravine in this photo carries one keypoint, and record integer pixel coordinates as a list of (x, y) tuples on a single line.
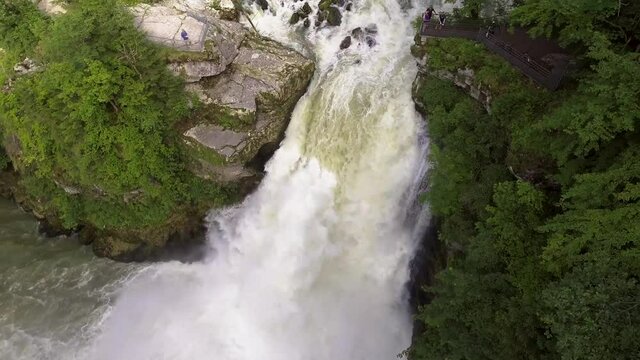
[(314, 264)]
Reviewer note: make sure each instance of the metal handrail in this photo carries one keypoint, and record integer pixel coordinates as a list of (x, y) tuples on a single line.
[(549, 78), (518, 55)]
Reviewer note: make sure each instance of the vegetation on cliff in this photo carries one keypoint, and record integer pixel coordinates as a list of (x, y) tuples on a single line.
[(91, 132), (538, 199)]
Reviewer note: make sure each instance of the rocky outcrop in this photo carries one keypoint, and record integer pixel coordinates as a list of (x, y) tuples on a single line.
[(463, 78), (466, 80), (247, 86), (52, 7), (25, 67)]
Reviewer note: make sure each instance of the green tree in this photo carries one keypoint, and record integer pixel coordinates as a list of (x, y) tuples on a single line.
[(99, 118), (485, 304)]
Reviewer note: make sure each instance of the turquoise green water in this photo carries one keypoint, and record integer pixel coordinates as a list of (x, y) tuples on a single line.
[(53, 292)]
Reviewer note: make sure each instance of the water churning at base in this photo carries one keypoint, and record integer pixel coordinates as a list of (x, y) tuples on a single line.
[(314, 264)]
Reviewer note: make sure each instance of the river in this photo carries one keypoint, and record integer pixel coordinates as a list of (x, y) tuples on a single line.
[(312, 266)]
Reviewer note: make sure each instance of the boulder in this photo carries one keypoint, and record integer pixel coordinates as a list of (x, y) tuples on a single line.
[(306, 9), (329, 10), (295, 18), (370, 41), (302, 13), (334, 16), (346, 42), (358, 33), (264, 5), (366, 36)]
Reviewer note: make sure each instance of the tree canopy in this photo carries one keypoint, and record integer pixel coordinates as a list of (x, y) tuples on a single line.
[(97, 119), (546, 263)]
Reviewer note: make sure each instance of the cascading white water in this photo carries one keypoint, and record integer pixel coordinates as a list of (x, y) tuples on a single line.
[(314, 264)]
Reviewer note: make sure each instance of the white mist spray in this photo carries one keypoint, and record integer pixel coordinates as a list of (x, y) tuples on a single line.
[(314, 264)]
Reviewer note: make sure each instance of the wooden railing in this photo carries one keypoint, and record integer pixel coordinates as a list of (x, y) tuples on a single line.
[(541, 74)]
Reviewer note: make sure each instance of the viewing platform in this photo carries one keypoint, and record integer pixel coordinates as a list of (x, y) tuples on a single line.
[(542, 60)]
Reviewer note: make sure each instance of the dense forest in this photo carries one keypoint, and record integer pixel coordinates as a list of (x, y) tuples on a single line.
[(95, 118), (538, 200)]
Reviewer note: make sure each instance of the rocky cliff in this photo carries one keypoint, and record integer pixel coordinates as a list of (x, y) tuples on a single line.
[(244, 88), (247, 86)]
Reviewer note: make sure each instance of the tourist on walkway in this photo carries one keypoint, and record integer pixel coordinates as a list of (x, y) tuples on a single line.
[(184, 35), (442, 18), (426, 17)]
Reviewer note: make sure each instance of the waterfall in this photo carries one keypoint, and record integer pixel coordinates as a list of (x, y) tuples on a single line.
[(314, 264)]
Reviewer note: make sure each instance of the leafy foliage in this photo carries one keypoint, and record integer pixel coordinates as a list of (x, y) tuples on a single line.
[(98, 121), (21, 26), (546, 266)]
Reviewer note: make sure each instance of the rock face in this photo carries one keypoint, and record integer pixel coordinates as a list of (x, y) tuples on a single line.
[(247, 86)]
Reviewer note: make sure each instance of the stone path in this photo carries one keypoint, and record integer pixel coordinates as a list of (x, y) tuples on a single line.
[(164, 25)]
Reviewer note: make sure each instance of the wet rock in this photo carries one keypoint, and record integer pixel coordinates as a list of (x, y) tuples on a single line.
[(345, 43), (53, 228), (349, 7), (370, 41), (334, 17), (358, 33), (324, 5), (306, 9), (371, 29), (303, 13), (329, 10), (264, 5), (320, 18), (366, 36), (295, 17)]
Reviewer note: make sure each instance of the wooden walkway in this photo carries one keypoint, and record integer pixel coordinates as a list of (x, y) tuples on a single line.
[(541, 60)]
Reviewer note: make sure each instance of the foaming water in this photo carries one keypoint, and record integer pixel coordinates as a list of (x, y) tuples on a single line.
[(54, 293), (314, 264)]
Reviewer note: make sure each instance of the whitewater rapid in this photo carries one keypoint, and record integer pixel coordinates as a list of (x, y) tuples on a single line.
[(314, 264)]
